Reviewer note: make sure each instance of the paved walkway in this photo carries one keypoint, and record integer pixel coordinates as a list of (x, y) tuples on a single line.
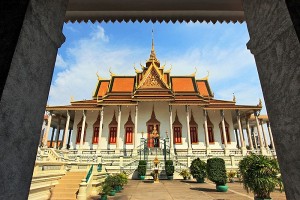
[(180, 189)]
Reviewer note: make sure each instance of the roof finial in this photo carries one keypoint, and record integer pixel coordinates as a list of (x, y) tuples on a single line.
[(260, 102), (152, 54), (233, 99)]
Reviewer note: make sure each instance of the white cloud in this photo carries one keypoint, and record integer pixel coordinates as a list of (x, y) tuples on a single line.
[(60, 62)]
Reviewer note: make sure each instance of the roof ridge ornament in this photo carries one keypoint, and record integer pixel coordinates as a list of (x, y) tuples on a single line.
[(206, 77), (194, 74), (233, 98), (99, 77), (152, 57), (259, 102), (111, 74)]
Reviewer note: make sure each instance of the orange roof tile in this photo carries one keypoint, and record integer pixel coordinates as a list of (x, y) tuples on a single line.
[(202, 88), (123, 84), (166, 78), (103, 88), (183, 84)]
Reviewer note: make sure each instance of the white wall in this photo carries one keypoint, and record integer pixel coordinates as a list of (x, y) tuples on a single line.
[(162, 114)]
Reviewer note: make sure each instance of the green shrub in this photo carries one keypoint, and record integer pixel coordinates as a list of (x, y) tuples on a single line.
[(260, 175), (141, 170), (112, 181), (216, 171), (169, 162), (123, 178), (169, 167), (169, 170), (142, 162), (106, 188), (198, 169)]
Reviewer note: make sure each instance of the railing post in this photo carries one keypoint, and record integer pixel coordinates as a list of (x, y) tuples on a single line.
[(165, 150), (82, 190)]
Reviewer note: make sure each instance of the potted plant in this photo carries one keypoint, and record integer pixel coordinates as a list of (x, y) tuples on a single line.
[(112, 182), (231, 174), (260, 175), (123, 180), (142, 169), (216, 172), (105, 191), (185, 174), (198, 170), (169, 167)]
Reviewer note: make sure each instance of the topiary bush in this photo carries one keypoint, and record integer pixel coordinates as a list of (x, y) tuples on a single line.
[(260, 175), (216, 171), (142, 168), (169, 167), (198, 169)]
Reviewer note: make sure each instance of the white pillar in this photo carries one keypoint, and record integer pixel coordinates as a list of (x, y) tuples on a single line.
[(100, 128), (135, 128), (119, 127), (243, 147), (271, 135), (171, 128), (264, 134), (57, 132), (223, 128), (206, 129), (254, 137), (249, 134), (261, 144), (237, 138), (45, 138), (64, 146), (82, 129), (188, 127)]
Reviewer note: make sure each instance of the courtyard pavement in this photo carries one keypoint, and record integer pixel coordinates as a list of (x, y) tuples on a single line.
[(180, 189)]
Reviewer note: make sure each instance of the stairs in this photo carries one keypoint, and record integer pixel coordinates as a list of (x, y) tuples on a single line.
[(67, 186)]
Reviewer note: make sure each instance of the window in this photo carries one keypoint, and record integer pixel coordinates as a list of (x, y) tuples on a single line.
[(194, 134), (113, 135), (177, 135), (211, 135), (79, 135), (96, 135), (128, 135)]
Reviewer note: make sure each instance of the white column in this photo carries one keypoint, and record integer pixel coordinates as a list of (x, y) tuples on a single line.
[(238, 116), (237, 138), (100, 128), (206, 129), (223, 128), (243, 147), (82, 129), (264, 134), (119, 127), (64, 146), (254, 137), (45, 138), (188, 126), (57, 132), (271, 135), (249, 134), (171, 127), (135, 128), (261, 144)]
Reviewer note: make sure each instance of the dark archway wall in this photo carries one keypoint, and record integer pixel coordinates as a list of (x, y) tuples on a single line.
[(276, 48), (32, 45), (294, 10), (12, 17)]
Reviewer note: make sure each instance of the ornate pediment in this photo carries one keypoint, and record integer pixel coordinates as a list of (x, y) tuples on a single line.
[(152, 79)]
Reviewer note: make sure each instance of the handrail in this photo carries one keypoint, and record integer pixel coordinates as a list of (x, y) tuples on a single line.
[(89, 174)]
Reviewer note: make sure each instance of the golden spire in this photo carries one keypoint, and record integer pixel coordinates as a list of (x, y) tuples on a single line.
[(152, 54)]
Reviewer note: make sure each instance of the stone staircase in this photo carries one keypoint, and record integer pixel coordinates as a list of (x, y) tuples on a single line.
[(67, 186)]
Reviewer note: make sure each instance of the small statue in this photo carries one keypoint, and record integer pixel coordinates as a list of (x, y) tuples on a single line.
[(155, 137)]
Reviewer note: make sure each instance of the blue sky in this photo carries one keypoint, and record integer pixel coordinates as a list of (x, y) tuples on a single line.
[(217, 48)]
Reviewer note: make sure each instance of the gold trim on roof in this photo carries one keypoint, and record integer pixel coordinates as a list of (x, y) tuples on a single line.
[(194, 74), (111, 73), (169, 70)]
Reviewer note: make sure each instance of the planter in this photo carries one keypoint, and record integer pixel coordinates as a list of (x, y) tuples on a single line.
[(103, 197), (112, 193), (200, 180), (257, 198), (142, 177), (118, 188), (184, 178), (222, 188), (170, 177)]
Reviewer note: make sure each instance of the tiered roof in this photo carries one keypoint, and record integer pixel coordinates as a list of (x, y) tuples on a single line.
[(154, 83)]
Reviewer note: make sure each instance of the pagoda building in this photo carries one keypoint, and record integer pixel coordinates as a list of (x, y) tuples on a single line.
[(124, 110)]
